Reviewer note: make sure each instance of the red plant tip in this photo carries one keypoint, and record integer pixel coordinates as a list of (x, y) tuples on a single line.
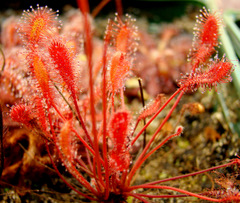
[(219, 72), (206, 37), (179, 130), (124, 34), (36, 24), (22, 114), (208, 32), (62, 60)]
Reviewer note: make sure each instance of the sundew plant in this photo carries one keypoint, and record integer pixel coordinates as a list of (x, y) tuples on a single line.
[(92, 132)]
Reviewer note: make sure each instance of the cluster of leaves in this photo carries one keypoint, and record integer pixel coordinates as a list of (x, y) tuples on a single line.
[(93, 133)]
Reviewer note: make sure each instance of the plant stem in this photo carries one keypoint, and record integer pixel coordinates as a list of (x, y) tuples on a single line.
[(138, 162), (164, 187), (83, 5), (155, 115), (104, 101), (235, 161)]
